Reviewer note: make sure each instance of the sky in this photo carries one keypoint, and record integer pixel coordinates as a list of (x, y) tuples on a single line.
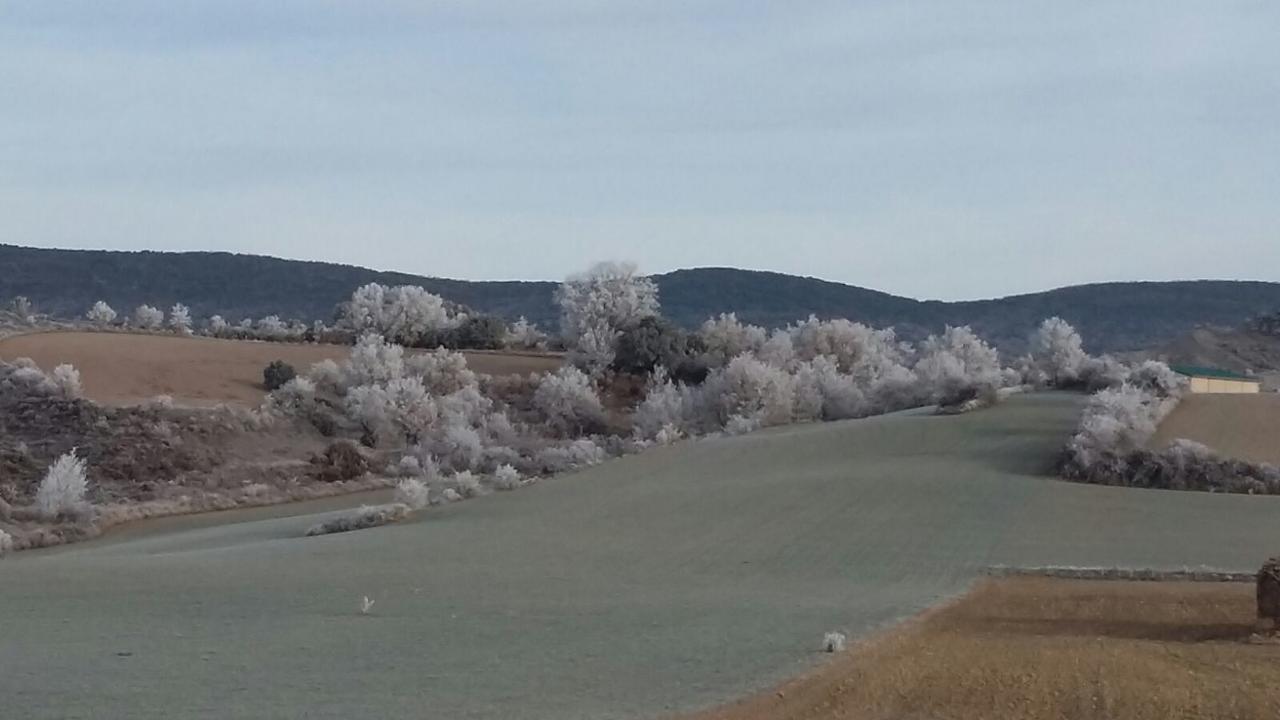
[(948, 150)]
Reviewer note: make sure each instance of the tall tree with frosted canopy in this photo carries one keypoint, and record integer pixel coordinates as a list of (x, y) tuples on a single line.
[(1058, 352), (596, 305)]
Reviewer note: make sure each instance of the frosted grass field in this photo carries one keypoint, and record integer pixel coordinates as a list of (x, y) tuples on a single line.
[(667, 581)]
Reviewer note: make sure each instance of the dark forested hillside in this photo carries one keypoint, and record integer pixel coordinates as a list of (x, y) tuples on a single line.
[(1111, 316)]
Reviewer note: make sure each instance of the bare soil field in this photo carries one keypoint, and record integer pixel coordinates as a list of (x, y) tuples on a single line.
[(660, 583), (124, 369), (1042, 649), (1239, 426)]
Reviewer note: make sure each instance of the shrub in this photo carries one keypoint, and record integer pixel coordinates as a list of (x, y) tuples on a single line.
[(276, 374), (663, 407), (413, 492), (374, 360), (62, 491), (101, 314), (506, 477), (6, 543), (524, 335), (479, 332), (341, 460), (147, 317), (833, 642), (957, 366), (66, 378), (466, 484), (750, 391), (726, 338), (569, 403), (367, 516), (407, 314)]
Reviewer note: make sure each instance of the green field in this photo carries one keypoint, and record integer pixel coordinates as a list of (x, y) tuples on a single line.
[(666, 581)]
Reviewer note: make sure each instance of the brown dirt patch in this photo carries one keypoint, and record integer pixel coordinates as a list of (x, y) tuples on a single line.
[(125, 369), (1031, 648), (1246, 427)]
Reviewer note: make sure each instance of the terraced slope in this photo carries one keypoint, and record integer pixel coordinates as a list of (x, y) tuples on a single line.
[(667, 581)]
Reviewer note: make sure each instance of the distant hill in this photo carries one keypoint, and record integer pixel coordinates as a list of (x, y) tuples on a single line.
[(1111, 316)]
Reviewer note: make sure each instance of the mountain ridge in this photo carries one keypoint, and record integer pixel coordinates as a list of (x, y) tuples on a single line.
[(1112, 316)]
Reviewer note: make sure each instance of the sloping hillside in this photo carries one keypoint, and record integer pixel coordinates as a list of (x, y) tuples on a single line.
[(666, 581), (1111, 316)]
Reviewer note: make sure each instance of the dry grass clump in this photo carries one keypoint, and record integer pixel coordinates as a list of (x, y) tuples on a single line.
[(367, 516), (1038, 648)]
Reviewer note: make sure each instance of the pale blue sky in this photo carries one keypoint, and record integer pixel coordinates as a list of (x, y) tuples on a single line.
[(932, 149)]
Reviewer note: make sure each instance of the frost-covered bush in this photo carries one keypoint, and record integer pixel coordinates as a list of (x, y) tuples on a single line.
[(571, 455), (1156, 377), (180, 319), (62, 491), (6, 543), (524, 335), (1116, 423), (327, 376), (867, 354), (442, 371), (219, 327), (663, 408), (506, 477), (748, 391), (726, 338), (1098, 373), (368, 516), (66, 378), (822, 392), (271, 327), (374, 360), (466, 484), (596, 305), (413, 492), (1057, 353), (652, 342), (101, 313), (569, 403), (147, 317), (957, 366)]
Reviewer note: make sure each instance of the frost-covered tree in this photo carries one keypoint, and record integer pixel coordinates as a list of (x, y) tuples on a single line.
[(218, 326), (865, 353), (63, 488), (101, 314), (726, 338), (374, 360), (22, 308), (180, 319), (147, 317), (271, 327), (524, 335), (66, 378), (569, 403), (957, 366), (406, 314), (595, 306), (1057, 352)]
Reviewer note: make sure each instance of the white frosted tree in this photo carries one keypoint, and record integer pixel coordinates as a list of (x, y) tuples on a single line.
[(596, 305), (406, 314), (101, 314), (957, 365), (726, 338), (1057, 352), (180, 319), (147, 317), (218, 326), (62, 490)]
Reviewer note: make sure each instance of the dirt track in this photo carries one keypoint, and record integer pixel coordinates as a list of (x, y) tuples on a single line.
[(123, 369), (1239, 426)]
